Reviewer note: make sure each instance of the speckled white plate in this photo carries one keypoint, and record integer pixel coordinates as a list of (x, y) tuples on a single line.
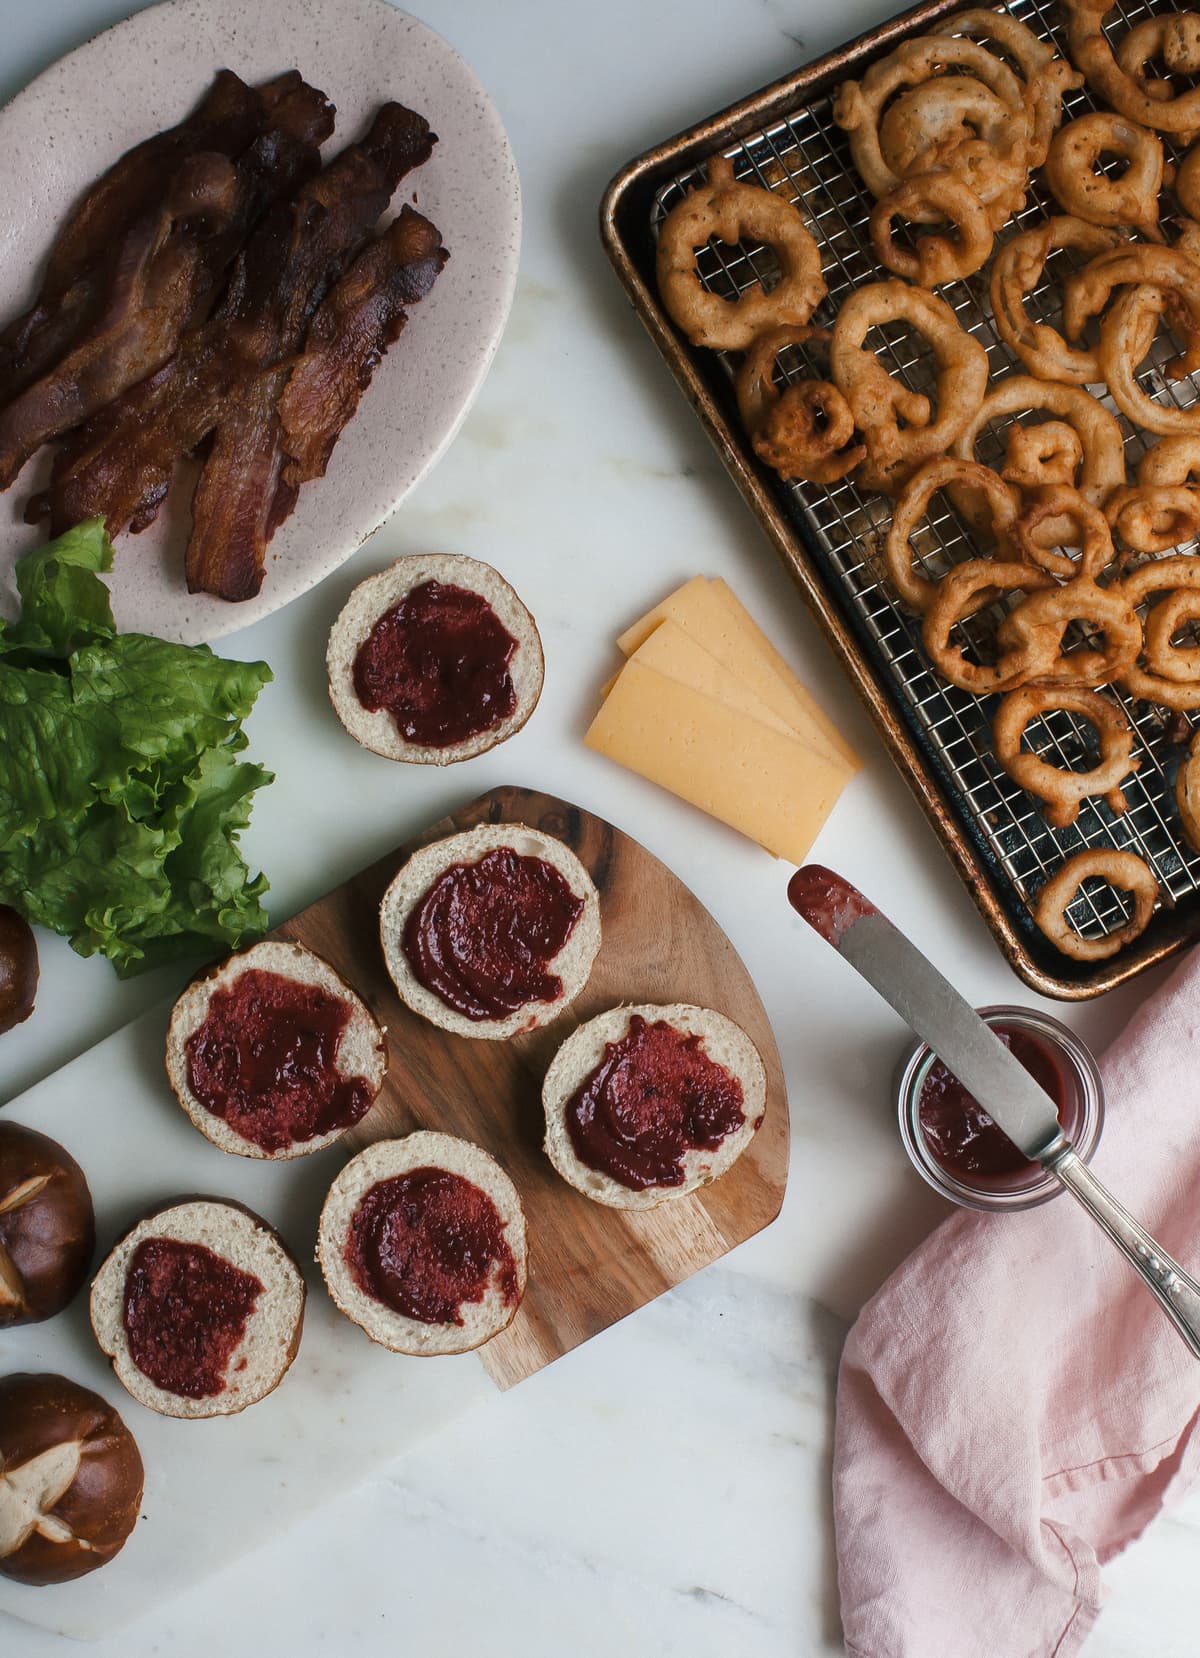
[(71, 123)]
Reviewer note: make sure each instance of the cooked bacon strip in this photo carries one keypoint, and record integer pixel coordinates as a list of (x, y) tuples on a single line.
[(361, 318), (229, 373), (165, 270), (232, 504), (228, 118)]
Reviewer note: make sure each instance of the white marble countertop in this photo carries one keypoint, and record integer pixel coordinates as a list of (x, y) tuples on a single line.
[(665, 1488)]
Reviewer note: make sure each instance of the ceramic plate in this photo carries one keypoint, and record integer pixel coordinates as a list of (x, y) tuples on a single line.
[(71, 123)]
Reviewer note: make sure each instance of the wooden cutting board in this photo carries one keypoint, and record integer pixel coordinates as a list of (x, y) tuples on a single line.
[(589, 1265)]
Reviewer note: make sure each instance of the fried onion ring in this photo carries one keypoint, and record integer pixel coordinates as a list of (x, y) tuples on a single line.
[(1173, 38), (879, 402), (803, 430), (916, 590), (1060, 788), (1039, 623), (1088, 291), (1180, 663), (1047, 76), (1016, 272), (1123, 345), (937, 258), (1154, 518), (1187, 183), (965, 590), (936, 119), (1166, 576), (1124, 870), (1091, 52), (732, 211), (1174, 460), (1103, 466), (1073, 171), (1038, 456), (1058, 516), (858, 106), (1187, 793)]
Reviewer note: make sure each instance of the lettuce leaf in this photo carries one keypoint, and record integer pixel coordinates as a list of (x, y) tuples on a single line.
[(122, 793)]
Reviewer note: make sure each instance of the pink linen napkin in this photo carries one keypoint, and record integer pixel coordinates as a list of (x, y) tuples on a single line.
[(1013, 1408)]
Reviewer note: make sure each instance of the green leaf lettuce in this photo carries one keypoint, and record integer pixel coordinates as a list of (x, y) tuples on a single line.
[(122, 793)]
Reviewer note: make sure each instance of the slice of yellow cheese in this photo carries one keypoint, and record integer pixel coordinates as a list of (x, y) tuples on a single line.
[(671, 651), (754, 778), (768, 651), (728, 634)]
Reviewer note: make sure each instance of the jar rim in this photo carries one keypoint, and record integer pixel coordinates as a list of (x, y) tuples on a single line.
[(1042, 1185)]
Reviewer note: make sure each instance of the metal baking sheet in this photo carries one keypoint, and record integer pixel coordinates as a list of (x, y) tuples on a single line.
[(784, 138)]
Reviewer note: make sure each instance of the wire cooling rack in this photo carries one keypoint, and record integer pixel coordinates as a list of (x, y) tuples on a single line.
[(806, 158)]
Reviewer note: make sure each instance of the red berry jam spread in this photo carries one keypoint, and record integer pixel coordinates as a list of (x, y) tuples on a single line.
[(654, 1096), (483, 936), (427, 1242), (265, 1060), (959, 1132), (185, 1314), (438, 662), (827, 902)]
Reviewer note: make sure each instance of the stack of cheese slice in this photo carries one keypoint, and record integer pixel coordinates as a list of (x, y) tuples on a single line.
[(707, 707)]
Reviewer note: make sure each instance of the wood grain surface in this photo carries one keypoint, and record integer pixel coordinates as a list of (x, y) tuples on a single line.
[(589, 1265)]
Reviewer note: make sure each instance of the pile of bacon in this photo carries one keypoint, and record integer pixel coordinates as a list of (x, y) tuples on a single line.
[(218, 293)]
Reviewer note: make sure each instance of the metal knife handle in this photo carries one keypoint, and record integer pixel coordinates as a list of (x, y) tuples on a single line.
[(1177, 1291)]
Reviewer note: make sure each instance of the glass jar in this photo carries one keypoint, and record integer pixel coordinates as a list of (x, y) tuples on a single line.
[(1081, 1115)]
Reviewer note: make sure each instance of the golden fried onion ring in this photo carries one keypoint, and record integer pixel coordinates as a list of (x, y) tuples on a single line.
[(936, 119), (1037, 456), (858, 106), (1174, 460), (1016, 272), (1088, 291), (937, 258), (1091, 52), (1103, 466), (1060, 788), (1154, 518), (1124, 870), (1187, 793), (1047, 76), (1073, 170), (966, 589), (916, 590), (733, 211), (1058, 516), (1187, 183), (1124, 336), (803, 430), (1168, 577), (1039, 623), (879, 402)]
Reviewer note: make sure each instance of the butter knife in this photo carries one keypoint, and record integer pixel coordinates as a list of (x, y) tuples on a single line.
[(929, 1004)]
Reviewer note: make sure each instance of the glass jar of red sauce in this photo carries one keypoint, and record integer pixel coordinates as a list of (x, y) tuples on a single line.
[(957, 1148)]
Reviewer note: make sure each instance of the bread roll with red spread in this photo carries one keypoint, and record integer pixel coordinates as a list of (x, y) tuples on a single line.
[(70, 1479), (460, 921), (200, 1308), (272, 1054), (47, 1226), (422, 1244), (649, 1103), (434, 660)]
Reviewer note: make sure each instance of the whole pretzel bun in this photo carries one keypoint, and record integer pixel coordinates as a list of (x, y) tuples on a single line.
[(373, 598), (70, 1479), (47, 1226)]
